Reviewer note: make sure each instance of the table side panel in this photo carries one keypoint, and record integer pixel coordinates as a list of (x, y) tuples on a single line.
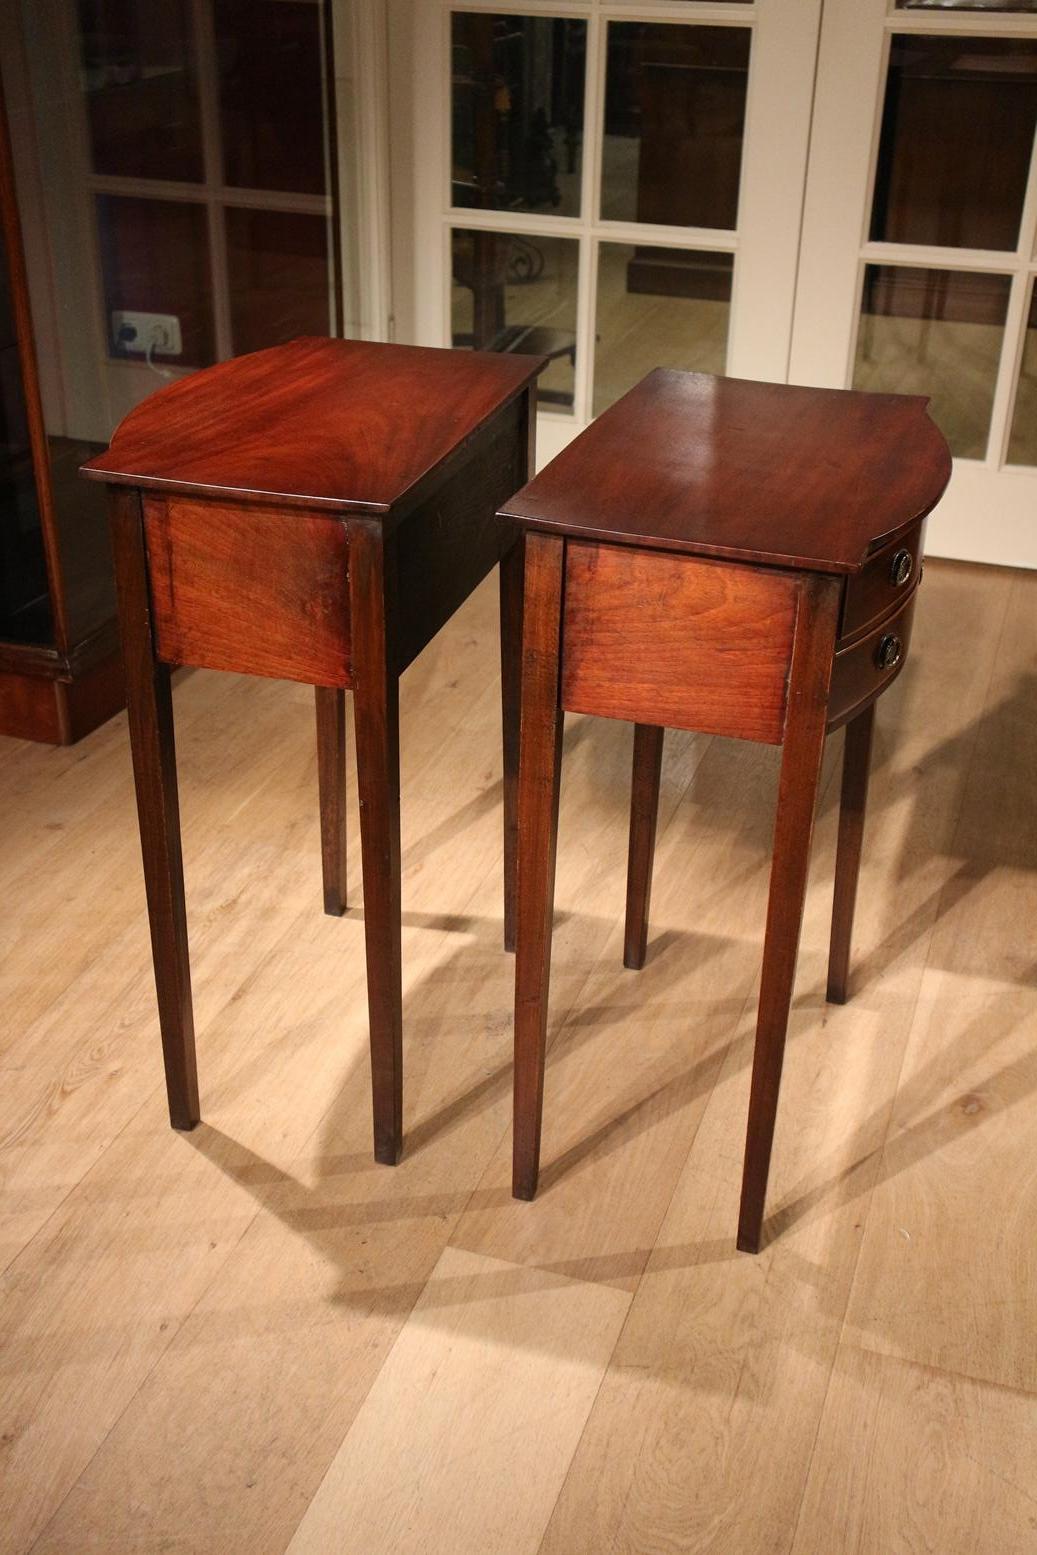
[(249, 588), (452, 539), (680, 641)]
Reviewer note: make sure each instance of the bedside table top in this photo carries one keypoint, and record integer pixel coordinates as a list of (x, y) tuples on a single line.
[(755, 472), (347, 424)]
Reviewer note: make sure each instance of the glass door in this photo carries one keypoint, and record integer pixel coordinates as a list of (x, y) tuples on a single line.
[(185, 161), (919, 259), (615, 186)]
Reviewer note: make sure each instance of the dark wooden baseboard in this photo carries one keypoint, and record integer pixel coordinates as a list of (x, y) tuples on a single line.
[(35, 705)]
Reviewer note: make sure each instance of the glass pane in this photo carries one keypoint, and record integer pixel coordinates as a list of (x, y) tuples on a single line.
[(1022, 446), (674, 119), (270, 57), (155, 259), (957, 133), (517, 112), (518, 293), (141, 88), (1015, 6), (935, 332), (24, 604), (279, 278), (658, 307)]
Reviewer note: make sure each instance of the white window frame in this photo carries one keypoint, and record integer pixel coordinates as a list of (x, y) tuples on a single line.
[(990, 511), (765, 242)]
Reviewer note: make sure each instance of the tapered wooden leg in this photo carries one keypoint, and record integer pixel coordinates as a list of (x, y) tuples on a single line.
[(540, 756), (376, 718), (809, 678), (331, 785), (149, 707), (511, 675), (644, 812), (852, 805)]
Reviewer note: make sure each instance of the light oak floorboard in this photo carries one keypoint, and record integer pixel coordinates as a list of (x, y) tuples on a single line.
[(911, 1460), (250, 1335), (702, 1434), (948, 1267), (464, 1440)]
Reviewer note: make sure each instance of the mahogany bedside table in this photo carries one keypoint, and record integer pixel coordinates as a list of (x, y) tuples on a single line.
[(732, 557), (313, 512)]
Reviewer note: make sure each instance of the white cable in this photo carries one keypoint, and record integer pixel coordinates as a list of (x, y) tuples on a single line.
[(162, 372)]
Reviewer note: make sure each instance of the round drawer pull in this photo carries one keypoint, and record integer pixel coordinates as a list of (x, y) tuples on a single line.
[(901, 567), (887, 654)]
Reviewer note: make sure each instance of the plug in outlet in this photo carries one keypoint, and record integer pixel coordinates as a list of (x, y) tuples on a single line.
[(134, 334)]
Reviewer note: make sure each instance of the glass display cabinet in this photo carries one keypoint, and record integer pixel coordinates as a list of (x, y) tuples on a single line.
[(168, 186)]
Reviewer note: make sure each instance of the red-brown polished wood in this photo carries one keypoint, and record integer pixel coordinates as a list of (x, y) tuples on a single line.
[(852, 804), (346, 424), (315, 512), (644, 813), (797, 515), (281, 587), (757, 472), (682, 641)]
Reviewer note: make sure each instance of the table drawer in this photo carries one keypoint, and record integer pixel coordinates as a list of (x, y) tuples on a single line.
[(887, 577), (865, 668)]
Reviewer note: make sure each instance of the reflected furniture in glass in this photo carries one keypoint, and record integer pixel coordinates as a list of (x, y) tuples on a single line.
[(732, 557), (59, 662), (313, 512)]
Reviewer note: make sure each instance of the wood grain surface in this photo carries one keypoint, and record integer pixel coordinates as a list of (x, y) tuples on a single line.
[(677, 641), (754, 471), (349, 424), (199, 1330), (242, 589)]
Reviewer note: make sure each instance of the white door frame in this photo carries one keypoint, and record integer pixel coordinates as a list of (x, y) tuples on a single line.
[(990, 511), (773, 176)]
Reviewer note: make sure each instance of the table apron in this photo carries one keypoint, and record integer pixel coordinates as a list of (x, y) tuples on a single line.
[(684, 642)]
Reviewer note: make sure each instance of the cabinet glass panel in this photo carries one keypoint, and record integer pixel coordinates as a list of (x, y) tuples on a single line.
[(1022, 446), (155, 259), (674, 123), (957, 133), (140, 81), (25, 614), (517, 112), (513, 292), (270, 58), (658, 307), (935, 332), (277, 264)]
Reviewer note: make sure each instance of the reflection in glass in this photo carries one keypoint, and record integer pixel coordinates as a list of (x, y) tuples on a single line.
[(518, 293), (517, 112), (935, 332), (155, 259), (270, 57), (1022, 446), (277, 263), (25, 614), (674, 120), (658, 307), (141, 87), (957, 132)]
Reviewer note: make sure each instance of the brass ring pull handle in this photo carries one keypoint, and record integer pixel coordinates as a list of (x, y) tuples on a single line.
[(887, 655), (901, 567)]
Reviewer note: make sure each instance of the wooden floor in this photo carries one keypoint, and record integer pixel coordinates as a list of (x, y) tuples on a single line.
[(251, 1339)]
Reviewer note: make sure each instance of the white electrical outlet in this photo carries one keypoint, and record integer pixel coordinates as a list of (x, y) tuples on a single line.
[(133, 334)]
